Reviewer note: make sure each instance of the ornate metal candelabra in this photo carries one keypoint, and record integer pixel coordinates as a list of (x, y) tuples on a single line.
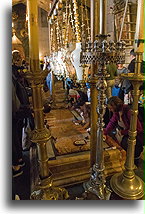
[(101, 52)]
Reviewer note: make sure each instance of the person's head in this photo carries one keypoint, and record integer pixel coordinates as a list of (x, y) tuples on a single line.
[(132, 54), (47, 108), (120, 66), (117, 81), (78, 85), (115, 104)]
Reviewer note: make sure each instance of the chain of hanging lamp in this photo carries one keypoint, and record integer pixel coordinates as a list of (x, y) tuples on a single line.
[(57, 33), (85, 30), (67, 17), (83, 27), (71, 18), (87, 22), (76, 21)]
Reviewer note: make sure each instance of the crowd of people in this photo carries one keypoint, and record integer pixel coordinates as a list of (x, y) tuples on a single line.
[(117, 85), (118, 104), (117, 116), (21, 114)]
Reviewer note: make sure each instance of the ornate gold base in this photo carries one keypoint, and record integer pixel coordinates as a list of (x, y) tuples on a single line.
[(52, 193), (103, 193), (128, 188), (45, 191)]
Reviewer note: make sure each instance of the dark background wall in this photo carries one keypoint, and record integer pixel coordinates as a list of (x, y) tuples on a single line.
[(19, 20), (21, 27)]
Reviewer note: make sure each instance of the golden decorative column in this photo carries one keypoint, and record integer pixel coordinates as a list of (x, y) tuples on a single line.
[(127, 185), (40, 135), (93, 81)]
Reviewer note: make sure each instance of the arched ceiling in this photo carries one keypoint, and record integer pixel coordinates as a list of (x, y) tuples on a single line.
[(44, 4)]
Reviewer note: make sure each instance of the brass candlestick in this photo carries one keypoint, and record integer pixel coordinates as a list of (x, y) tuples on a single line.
[(41, 136), (94, 93), (127, 185)]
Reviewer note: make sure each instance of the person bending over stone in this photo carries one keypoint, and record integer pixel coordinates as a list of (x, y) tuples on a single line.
[(121, 121)]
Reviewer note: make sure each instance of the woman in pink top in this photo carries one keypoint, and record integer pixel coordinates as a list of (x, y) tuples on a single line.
[(121, 120)]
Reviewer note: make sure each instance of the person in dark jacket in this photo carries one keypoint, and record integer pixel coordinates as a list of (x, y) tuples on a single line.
[(131, 66), (131, 69), (121, 120), (17, 160)]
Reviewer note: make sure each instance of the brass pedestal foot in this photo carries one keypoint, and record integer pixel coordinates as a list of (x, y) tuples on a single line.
[(99, 191), (52, 193), (130, 188), (96, 184), (45, 191)]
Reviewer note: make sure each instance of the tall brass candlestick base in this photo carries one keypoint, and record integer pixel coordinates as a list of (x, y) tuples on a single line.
[(97, 181), (94, 117), (128, 185), (46, 191), (40, 135)]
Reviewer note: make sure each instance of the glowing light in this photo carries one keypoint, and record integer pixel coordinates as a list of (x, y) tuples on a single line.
[(15, 51), (41, 56), (26, 18)]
